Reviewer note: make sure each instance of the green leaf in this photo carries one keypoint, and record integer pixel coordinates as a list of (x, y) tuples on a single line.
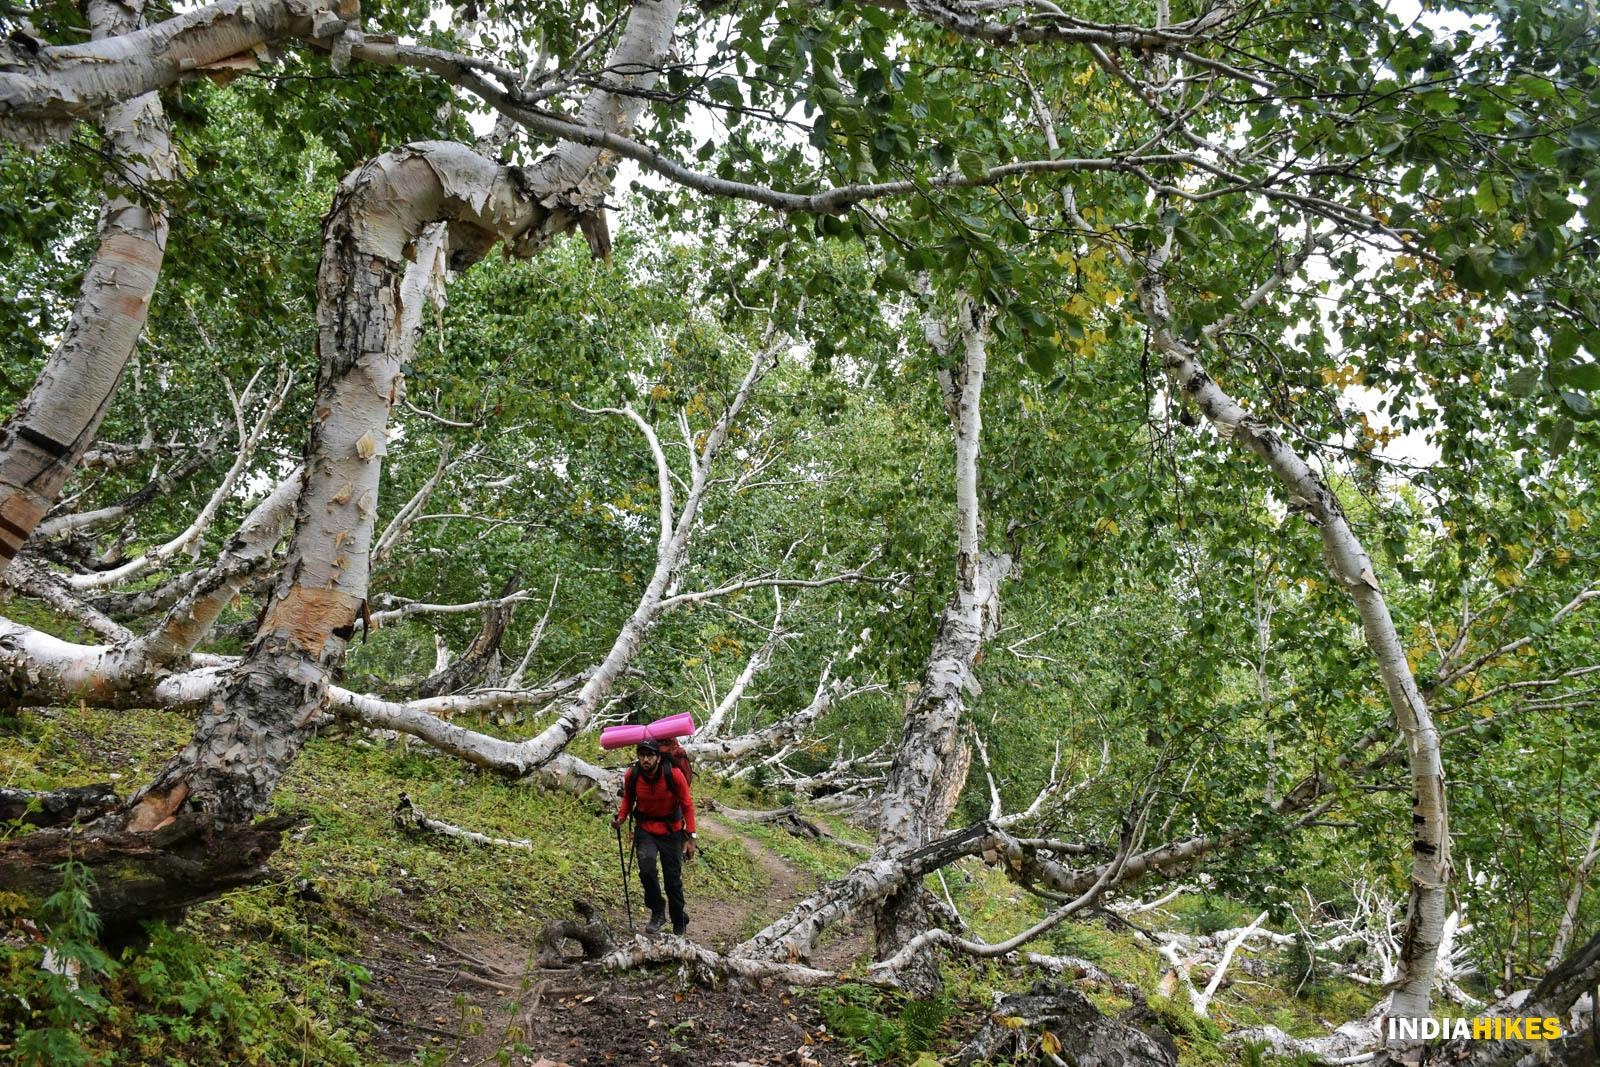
[(972, 166), (1525, 382), (1561, 437), (1564, 344), (1041, 357), (1491, 195), (1580, 405), (1580, 376), (1584, 137)]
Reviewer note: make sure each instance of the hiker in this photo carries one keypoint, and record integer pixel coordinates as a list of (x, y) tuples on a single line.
[(655, 791)]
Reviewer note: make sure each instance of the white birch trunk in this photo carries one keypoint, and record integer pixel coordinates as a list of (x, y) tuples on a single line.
[(42, 98), (47, 435), (930, 766), (1569, 912), (1351, 567), (251, 734)]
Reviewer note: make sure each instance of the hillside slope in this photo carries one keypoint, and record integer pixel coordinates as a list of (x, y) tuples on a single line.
[(375, 945)]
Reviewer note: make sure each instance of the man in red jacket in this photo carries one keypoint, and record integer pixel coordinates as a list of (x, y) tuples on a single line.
[(657, 795)]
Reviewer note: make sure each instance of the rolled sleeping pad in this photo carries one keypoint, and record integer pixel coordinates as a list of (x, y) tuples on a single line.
[(621, 736), (680, 725)]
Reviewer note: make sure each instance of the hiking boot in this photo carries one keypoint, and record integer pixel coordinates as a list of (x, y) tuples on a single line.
[(655, 924), (679, 928)]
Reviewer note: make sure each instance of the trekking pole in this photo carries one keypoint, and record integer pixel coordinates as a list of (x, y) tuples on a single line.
[(622, 865)]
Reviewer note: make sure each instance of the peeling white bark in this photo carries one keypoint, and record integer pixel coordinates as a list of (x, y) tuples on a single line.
[(31, 579), (868, 885), (1350, 565), (1352, 569), (245, 741), (46, 436), (42, 95), (710, 965), (930, 765), (931, 762)]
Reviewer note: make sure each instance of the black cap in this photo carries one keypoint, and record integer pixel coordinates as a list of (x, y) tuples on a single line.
[(649, 744)]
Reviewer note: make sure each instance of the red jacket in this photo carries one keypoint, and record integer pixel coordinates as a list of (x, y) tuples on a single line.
[(663, 802)]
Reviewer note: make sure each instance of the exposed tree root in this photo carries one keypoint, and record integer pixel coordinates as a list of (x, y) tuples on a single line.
[(1353, 1042), (1556, 995), (707, 966), (1080, 970), (591, 933)]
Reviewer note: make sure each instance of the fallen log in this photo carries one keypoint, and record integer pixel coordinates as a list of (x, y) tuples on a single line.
[(408, 817), (135, 875), (77, 803)]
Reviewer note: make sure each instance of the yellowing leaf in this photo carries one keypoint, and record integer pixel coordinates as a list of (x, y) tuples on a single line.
[(1050, 1044)]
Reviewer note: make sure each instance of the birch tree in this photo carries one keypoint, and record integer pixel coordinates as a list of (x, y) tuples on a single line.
[(1423, 168)]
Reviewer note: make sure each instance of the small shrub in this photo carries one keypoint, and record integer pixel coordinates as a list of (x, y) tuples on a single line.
[(881, 1026), (53, 987)]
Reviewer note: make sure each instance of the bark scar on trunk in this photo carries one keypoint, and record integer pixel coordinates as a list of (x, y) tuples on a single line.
[(307, 616), (157, 810)]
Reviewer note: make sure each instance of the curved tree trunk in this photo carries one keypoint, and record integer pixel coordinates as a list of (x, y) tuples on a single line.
[(482, 658), (930, 766), (47, 435), (250, 735), (1352, 568), (245, 742), (64, 83)]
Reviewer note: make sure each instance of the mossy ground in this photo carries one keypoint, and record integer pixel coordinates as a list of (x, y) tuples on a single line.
[(296, 970)]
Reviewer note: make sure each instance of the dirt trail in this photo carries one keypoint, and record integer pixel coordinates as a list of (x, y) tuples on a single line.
[(725, 923), (463, 998)]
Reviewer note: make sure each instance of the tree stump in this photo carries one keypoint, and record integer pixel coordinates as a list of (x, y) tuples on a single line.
[(1053, 1013)]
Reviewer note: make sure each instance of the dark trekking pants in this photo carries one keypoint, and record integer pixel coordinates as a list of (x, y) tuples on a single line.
[(670, 848)]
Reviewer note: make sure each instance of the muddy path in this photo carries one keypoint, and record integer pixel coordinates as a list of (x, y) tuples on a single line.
[(469, 997)]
